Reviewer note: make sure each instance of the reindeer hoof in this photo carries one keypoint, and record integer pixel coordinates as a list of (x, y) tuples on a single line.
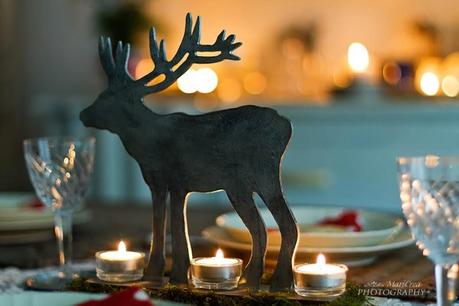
[(155, 270), (178, 279), (281, 282), (251, 278)]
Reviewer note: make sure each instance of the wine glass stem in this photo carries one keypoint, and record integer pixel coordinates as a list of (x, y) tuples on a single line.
[(63, 231), (445, 296)]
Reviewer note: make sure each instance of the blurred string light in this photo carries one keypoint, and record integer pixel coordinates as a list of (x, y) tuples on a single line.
[(188, 82), (392, 73), (358, 57), (254, 83), (429, 83), (450, 86), (207, 80), (341, 79), (203, 80), (229, 90)]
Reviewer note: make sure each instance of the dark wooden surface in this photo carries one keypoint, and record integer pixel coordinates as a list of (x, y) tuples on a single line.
[(110, 223)]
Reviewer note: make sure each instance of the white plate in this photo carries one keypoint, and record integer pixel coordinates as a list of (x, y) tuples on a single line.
[(24, 237), (352, 256), (377, 227), (45, 221), (16, 215), (15, 199)]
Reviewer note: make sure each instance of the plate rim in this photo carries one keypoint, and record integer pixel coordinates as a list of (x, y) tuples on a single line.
[(384, 247), (79, 217), (397, 226)]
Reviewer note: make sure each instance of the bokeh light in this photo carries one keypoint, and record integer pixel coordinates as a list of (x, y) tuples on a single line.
[(188, 82), (391, 73), (229, 90), (203, 80), (450, 86), (358, 57), (429, 84), (254, 83), (206, 79)]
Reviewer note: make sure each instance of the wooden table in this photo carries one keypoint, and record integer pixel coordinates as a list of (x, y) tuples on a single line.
[(111, 223)]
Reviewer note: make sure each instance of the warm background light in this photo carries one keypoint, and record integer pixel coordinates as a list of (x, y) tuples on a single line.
[(427, 77), (358, 57), (187, 83), (207, 80), (203, 80), (254, 83), (391, 73), (144, 66), (229, 90), (450, 86), (429, 84)]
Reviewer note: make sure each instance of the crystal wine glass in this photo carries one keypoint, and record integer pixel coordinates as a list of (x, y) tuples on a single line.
[(429, 191), (60, 170)]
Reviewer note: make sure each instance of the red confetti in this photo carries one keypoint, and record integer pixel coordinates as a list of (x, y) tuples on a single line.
[(346, 219), (36, 204), (130, 297)]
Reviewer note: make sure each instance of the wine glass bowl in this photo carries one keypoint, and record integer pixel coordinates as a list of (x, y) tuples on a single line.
[(429, 191), (60, 169)]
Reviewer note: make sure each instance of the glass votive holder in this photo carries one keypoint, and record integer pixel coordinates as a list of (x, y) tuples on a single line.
[(320, 281), (120, 266), (216, 273)]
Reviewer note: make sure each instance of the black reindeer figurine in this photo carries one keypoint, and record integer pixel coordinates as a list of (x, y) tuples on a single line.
[(236, 150)]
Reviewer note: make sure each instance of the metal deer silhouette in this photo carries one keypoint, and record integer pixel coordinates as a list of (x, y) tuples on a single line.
[(236, 150)]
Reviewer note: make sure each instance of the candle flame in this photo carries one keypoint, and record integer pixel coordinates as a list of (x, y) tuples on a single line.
[(321, 260), (219, 254), (122, 247)]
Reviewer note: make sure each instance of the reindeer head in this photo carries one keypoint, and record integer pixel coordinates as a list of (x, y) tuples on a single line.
[(114, 105)]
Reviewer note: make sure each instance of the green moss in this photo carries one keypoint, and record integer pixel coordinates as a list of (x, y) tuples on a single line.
[(351, 297), (210, 298)]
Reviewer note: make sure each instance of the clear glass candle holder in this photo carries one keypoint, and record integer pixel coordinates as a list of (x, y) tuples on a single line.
[(320, 282), (221, 275), (120, 267)]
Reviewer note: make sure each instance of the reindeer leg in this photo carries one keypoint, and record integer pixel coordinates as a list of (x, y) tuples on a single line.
[(157, 262), (181, 250), (282, 278), (246, 209)]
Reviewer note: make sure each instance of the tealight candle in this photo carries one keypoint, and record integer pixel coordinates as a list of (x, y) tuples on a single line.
[(120, 266), (320, 281), (216, 273)]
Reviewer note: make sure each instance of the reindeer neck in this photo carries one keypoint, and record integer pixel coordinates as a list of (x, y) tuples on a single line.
[(138, 121)]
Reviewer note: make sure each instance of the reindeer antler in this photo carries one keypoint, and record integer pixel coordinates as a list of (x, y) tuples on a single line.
[(190, 45), (116, 69)]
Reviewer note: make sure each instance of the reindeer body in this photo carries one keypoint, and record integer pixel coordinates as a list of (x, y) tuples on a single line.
[(236, 150), (205, 152)]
